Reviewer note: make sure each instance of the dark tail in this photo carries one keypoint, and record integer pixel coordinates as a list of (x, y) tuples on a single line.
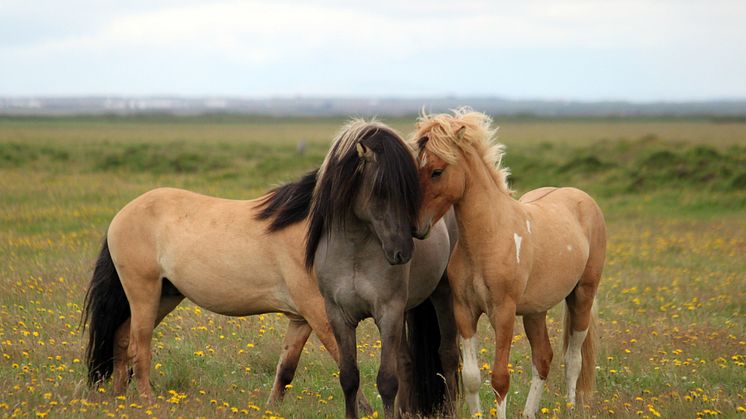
[(428, 390), (106, 308)]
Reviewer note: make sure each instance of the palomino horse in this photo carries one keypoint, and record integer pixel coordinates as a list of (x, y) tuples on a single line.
[(513, 257), (363, 210), (226, 256)]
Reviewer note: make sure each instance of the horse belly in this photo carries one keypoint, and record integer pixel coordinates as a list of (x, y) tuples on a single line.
[(540, 297), (247, 301), (230, 287)]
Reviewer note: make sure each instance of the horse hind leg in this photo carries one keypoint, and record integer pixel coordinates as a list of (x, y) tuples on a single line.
[(579, 337), (122, 373), (147, 307), (448, 349), (292, 347), (541, 357)]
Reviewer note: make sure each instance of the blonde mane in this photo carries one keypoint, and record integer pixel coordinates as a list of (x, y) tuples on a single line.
[(461, 131)]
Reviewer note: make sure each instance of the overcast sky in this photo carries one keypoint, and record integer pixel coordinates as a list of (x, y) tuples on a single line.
[(587, 50)]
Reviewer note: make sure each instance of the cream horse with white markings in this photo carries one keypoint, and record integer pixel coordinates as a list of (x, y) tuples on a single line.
[(513, 256)]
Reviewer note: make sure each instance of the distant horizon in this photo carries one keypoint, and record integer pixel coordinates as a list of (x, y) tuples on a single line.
[(360, 105), (735, 99)]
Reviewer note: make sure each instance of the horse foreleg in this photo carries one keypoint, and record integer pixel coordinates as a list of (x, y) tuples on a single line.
[(541, 356), (502, 319), (349, 374), (390, 324), (466, 320), (295, 338), (314, 313), (403, 397)]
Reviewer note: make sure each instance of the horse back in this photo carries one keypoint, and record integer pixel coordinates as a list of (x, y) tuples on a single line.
[(566, 205), (211, 249)]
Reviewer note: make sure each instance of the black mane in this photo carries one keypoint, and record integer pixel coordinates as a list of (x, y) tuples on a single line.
[(396, 180), (289, 203)]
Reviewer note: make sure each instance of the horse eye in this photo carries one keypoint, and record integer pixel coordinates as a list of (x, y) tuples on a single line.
[(436, 173)]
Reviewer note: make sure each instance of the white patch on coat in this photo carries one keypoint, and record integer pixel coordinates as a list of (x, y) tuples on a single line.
[(517, 240), (534, 394), (573, 362), (569, 248), (528, 226), (470, 374)]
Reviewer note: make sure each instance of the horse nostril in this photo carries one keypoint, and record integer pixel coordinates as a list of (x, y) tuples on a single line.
[(398, 257)]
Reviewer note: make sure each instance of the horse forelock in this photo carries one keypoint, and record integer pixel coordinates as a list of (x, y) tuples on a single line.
[(396, 176), (340, 176), (343, 145), (449, 135)]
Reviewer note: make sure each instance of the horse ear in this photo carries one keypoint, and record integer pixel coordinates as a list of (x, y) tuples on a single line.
[(364, 152), (460, 133)]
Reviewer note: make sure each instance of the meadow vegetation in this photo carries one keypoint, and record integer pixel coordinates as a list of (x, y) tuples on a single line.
[(671, 302)]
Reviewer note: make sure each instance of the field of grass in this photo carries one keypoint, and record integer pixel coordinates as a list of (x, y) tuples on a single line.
[(671, 303)]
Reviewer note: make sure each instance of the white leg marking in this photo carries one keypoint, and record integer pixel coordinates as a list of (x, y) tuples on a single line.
[(573, 362), (470, 375), (517, 239), (528, 226), (501, 408), (534, 394)]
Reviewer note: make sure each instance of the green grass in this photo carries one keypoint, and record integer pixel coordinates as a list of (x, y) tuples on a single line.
[(671, 302)]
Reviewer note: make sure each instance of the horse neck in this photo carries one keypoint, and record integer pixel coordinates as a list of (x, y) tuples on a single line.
[(484, 209)]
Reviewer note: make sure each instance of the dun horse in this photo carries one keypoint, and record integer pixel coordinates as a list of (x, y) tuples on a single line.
[(362, 215), (228, 256), (513, 257)]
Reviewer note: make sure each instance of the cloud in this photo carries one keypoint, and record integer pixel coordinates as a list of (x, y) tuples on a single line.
[(363, 43)]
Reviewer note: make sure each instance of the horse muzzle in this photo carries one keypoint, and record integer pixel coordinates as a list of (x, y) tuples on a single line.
[(399, 255), (421, 233)]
